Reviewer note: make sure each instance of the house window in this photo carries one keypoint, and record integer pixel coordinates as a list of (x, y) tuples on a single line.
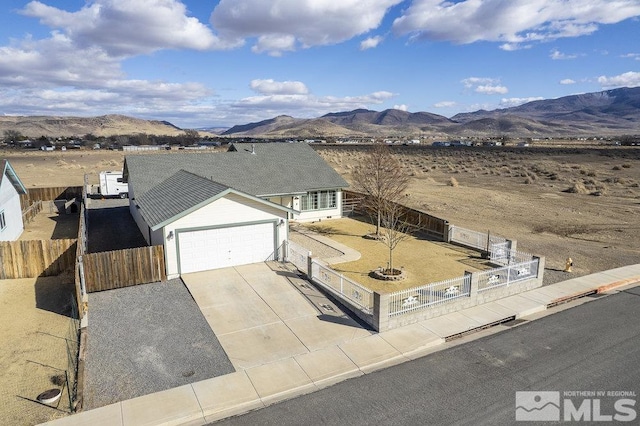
[(3, 222), (318, 200)]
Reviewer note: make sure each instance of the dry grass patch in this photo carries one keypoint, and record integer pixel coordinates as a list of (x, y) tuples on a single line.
[(424, 261)]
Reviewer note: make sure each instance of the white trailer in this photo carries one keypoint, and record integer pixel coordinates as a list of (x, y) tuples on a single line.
[(111, 185)]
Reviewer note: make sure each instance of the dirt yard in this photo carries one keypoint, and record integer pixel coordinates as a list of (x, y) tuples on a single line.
[(556, 202), (36, 336), (424, 261), (37, 331)]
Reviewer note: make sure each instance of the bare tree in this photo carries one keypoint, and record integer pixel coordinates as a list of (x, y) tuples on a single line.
[(382, 179), (395, 229)]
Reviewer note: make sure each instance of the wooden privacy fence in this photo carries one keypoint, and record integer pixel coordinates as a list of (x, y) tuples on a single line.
[(123, 268), (50, 194), (31, 212), (36, 258), (424, 222)]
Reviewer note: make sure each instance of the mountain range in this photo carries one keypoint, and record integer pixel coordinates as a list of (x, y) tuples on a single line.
[(105, 125), (607, 113), (611, 112)]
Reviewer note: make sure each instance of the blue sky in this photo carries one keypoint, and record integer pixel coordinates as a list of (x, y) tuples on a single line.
[(218, 63)]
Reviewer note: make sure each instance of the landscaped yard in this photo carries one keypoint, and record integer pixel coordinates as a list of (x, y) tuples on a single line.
[(424, 260)]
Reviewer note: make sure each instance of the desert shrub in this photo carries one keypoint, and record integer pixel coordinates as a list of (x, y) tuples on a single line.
[(592, 173), (626, 165), (453, 182), (528, 180), (616, 168), (577, 188)]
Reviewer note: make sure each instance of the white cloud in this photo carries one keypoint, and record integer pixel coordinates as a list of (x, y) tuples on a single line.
[(475, 81), (299, 23), (445, 104), (484, 85), (275, 44), (635, 56), (511, 22), (567, 81), (489, 89), (512, 102), (271, 87), (557, 55), (306, 105), (371, 42), (401, 107), (129, 27), (628, 79)]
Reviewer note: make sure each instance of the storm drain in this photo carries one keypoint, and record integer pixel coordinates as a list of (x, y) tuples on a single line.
[(572, 298), (476, 329)]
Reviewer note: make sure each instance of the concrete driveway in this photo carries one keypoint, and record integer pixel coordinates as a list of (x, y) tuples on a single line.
[(263, 313)]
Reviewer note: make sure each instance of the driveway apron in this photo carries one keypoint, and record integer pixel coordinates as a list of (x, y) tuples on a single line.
[(260, 316)]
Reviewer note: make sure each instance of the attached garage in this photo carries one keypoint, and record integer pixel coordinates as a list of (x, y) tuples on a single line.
[(225, 246), (206, 225)]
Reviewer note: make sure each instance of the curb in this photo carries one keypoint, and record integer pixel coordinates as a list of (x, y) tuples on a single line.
[(621, 283)]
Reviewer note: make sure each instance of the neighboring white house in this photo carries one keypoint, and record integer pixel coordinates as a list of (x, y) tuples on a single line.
[(214, 210), (11, 225)]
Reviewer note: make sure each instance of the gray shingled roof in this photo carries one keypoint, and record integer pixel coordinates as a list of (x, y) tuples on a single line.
[(274, 169), (180, 193)]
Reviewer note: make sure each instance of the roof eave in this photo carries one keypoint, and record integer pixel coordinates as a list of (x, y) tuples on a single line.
[(13, 178), (217, 197)]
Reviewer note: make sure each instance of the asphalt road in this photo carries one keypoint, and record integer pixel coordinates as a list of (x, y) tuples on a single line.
[(591, 347)]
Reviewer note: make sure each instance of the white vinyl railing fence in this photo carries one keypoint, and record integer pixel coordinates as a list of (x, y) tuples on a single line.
[(416, 298), (518, 267), (507, 275), (348, 289), (297, 255)]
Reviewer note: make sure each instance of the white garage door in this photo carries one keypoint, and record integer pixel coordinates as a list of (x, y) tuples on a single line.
[(224, 247)]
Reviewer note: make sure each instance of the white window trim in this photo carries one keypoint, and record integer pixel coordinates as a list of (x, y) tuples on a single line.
[(324, 200)]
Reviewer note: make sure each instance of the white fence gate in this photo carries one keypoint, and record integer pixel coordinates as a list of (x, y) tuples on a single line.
[(474, 239)]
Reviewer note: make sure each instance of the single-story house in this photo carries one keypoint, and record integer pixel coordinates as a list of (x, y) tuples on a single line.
[(11, 225), (214, 210)]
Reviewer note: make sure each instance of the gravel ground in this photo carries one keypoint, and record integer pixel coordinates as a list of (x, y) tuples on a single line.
[(111, 226), (318, 249), (145, 339)]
